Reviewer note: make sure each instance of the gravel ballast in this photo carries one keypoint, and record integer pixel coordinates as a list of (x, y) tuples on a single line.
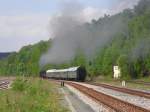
[(136, 100), (97, 107)]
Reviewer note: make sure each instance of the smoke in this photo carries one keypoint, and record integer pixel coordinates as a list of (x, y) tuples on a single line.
[(141, 49), (124, 4), (72, 33)]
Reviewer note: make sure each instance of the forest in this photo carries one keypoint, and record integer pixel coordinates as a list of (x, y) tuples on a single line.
[(129, 48)]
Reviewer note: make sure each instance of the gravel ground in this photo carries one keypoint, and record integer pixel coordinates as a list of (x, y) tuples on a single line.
[(63, 101), (136, 100), (78, 104), (72, 102), (94, 105)]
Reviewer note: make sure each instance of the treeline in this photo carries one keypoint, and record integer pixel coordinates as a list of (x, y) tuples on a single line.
[(129, 48), (25, 62), (4, 55)]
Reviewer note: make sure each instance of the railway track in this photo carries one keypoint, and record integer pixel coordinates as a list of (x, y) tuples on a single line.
[(132, 81), (139, 82), (4, 84), (124, 90), (113, 103)]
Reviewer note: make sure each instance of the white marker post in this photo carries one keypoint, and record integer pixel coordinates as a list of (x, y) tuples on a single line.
[(123, 83)]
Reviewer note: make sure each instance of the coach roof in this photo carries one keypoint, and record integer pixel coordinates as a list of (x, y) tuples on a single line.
[(71, 69)]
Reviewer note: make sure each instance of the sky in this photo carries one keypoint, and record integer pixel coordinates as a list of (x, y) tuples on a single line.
[(24, 22)]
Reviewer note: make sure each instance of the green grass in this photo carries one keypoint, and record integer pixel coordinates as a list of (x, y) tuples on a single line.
[(128, 84), (31, 95), (145, 79)]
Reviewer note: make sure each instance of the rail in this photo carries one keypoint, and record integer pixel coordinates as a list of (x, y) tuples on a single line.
[(114, 103)]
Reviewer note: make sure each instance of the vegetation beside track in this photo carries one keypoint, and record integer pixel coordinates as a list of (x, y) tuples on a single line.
[(129, 84), (31, 95)]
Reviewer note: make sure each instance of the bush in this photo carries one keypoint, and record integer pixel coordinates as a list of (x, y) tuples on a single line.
[(20, 84), (30, 95)]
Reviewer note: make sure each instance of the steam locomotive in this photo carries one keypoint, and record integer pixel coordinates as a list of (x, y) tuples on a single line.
[(73, 73)]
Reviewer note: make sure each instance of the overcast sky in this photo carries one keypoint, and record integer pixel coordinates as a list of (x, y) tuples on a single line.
[(24, 22)]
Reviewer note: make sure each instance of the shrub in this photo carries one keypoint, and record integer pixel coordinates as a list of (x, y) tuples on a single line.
[(20, 84), (31, 95)]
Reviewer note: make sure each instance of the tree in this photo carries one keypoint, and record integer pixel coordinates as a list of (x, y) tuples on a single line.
[(123, 63)]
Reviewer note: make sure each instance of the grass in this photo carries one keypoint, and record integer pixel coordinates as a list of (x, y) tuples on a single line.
[(128, 84), (31, 95), (145, 79)]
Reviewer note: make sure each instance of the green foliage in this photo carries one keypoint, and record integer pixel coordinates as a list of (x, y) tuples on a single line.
[(25, 62), (36, 96), (125, 44), (19, 84), (123, 63)]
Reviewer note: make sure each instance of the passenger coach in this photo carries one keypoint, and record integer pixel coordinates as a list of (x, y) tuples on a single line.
[(72, 73)]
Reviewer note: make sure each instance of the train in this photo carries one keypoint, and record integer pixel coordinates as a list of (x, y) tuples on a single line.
[(73, 73)]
